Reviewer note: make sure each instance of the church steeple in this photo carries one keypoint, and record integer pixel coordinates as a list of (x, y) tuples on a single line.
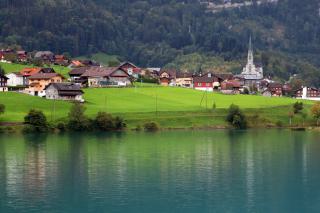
[(250, 52)]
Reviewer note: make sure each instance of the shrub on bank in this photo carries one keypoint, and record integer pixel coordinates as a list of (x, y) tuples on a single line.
[(106, 122), (151, 126), (236, 117), (78, 121), (35, 121)]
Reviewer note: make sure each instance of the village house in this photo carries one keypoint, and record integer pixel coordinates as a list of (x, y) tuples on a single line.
[(130, 68), (39, 81), (27, 72), (286, 89), (184, 80), (75, 64), (60, 60), (207, 82), (46, 57), (308, 93), (230, 87), (273, 89), (15, 79), (22, 56), (152, 72), (3, 83), (167, 77), (76, 73), (106, 77), (64, 91)]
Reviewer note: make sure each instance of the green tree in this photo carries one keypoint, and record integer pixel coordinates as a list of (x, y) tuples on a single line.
[(36, 121), (315, 111), (297, 107), (236, 117), (78, 121)]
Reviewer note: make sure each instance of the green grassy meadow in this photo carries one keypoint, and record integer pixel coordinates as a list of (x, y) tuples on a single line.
[(101, 57), (170, 107), (8, 68)]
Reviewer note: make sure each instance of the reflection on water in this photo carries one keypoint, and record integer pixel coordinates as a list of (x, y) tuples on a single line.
[(182, 171)]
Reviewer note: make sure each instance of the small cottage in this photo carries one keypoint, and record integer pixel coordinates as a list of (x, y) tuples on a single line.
[(64, 91), (273, 89)]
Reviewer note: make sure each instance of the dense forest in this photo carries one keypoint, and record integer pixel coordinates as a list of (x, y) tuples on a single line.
[(159, 32)]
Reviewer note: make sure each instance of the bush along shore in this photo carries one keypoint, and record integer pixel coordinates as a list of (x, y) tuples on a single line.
[(297, 116)]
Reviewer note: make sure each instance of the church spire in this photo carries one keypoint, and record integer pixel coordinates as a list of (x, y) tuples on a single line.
[(250, 52)]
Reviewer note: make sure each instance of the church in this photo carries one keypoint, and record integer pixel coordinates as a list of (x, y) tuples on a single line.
[(251, 74)]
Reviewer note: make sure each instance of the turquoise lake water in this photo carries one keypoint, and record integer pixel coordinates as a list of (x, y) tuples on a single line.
[(178, 171)]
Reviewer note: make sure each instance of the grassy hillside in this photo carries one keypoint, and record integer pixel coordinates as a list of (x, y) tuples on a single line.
[(177, 107), (102, 58), (8, 68)]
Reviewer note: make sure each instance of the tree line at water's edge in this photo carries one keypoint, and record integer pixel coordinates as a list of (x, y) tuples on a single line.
[(36, 121), (159, 32)]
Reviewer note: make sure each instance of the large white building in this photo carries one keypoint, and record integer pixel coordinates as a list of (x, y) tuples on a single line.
[(251, 73)]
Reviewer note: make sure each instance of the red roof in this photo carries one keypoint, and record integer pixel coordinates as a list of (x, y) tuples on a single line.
[(30, 71)]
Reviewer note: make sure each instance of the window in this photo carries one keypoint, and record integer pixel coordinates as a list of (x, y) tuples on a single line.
[(199, 84)]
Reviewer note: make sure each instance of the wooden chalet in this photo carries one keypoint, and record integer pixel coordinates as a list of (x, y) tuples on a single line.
[(308, 93), (273, 89)]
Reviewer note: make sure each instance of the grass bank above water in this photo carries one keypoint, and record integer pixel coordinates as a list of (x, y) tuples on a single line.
[(169, 107)]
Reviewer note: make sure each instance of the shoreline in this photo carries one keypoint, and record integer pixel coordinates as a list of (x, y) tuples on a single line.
[(17, 128)]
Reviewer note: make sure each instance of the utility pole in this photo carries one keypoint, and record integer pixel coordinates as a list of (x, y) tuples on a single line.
[(53, 110), (157, 105), (206, 99), (105, 103)]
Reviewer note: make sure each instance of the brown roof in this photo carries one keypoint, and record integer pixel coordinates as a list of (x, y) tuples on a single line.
[(172, 73), (99, 71), (184, 75), (45, 75), (275, 85), (205, 78), (67, 88), (225, 76), (78, 71)]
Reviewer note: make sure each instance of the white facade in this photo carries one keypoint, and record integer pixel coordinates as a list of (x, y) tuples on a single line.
[(3, 89), (14, 80), (208, 89)]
